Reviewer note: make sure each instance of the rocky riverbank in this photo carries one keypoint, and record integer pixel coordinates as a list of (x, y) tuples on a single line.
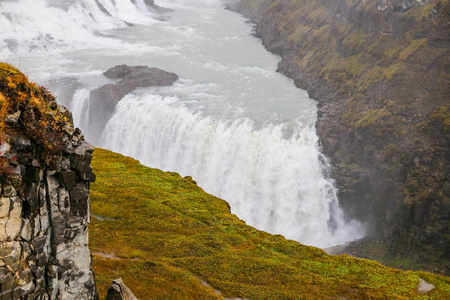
[(381, 72)]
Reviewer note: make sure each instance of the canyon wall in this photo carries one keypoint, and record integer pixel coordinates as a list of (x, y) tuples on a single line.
[(44, 206), (380, 70)]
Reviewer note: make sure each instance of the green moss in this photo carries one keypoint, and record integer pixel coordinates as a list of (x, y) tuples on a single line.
[(393, 52), (373, 75), (355, 40), (412, 48), (166, 238), (371, 117), (392, 150), (421, 13), (444, 6), (298, 34), (386, 122), (416, 192), (7, 70), (441, 118), (381, 39), (393, 70)]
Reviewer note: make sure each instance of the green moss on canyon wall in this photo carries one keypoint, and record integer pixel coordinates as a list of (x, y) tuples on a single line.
[(381, 72), (168, 239)]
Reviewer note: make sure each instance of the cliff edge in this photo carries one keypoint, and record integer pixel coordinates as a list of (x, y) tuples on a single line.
[(380, 70), (44, 206), (168, 239)]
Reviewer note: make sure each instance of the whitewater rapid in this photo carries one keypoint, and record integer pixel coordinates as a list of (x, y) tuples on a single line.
[(244, 132)]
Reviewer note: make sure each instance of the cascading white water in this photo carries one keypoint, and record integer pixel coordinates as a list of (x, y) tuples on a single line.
[(272, 181), (241, 130), (58, 25)]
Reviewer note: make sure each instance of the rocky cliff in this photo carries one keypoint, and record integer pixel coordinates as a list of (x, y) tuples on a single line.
[(44, 207), (380, 70)]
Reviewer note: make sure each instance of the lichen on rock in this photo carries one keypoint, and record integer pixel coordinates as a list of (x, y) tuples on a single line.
[(44, 204)]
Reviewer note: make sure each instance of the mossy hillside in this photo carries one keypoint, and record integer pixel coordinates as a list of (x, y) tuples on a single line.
[(168, 239), (379, 251)]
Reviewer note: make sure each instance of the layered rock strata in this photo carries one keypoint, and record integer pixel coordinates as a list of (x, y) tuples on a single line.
[(380, 70), (44, 206)]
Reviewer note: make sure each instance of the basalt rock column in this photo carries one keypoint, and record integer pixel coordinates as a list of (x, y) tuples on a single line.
[(44, 206)]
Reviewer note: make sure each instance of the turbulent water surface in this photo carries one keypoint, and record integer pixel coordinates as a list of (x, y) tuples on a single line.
[(241, 130)]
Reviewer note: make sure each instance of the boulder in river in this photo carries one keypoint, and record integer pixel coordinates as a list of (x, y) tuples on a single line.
[(105, 98)]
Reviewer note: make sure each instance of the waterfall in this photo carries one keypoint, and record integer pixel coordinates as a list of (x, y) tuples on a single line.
[(274, 182), (54, 25), (244, 132)]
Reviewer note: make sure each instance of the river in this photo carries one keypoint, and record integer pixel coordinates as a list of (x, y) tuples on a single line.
[(244, 132)]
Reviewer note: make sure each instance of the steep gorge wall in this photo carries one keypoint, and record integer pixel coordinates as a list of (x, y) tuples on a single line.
[(380, 70), (44, 206)]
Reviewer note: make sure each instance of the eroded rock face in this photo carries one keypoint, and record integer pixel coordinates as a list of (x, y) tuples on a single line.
[(44, 214), (105, 98), (385, 132)]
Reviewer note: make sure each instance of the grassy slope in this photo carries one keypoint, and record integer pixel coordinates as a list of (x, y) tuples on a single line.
[(166, 238)]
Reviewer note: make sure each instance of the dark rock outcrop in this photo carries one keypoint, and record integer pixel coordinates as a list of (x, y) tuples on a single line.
[(380, 71), (119, 291), (44, 205), (105, 98)]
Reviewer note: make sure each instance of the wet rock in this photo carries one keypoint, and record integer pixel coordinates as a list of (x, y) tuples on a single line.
[(105, 98), (140, 76)]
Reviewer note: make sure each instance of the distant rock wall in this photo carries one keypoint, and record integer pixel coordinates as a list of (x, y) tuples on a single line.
[(380, 70), (44, 208)]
